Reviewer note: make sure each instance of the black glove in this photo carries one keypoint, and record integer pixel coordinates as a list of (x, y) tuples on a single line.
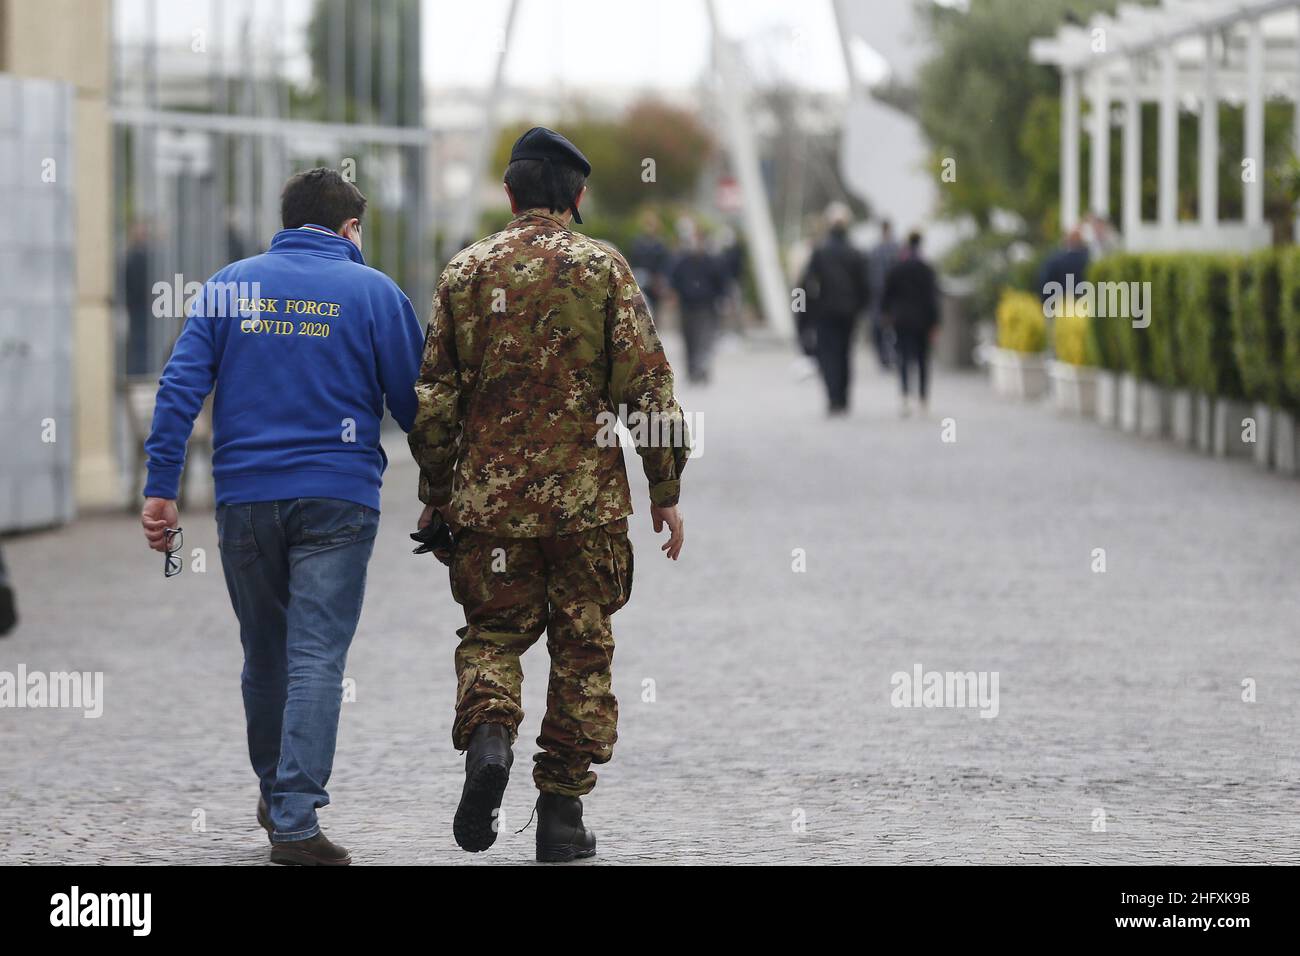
[(435, 537)]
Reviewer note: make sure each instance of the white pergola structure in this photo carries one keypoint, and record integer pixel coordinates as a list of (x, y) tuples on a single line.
[(1181, 54)]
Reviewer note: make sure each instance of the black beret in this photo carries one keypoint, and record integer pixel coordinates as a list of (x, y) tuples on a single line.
[(542, 143)]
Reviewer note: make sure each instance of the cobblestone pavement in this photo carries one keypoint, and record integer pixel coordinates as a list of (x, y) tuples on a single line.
[(1120, 693)]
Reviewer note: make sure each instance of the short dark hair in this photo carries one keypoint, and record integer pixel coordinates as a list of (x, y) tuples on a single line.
[(914, 239), (531, 187), (321, 196)]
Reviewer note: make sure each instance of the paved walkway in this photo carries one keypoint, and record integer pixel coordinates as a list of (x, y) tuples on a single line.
[(770, 736)]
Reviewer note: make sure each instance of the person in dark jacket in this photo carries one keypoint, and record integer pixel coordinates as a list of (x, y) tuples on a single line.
[(911, 306), (837, 288), (137, 297), (699, 281), (879, 262), (304, 346), (650, 260), (1065, 267), (8, 606)]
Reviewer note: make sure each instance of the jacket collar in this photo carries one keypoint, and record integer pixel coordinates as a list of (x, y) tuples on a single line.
[(554, 218), (316, 240)]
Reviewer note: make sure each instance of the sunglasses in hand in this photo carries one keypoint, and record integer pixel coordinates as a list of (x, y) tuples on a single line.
[(174, 542)]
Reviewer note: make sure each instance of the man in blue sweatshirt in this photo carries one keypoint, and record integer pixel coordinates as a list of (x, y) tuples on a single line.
[(304, 344)]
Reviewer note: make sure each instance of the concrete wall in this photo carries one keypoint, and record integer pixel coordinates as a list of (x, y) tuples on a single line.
[(70, 40), (38, 275)]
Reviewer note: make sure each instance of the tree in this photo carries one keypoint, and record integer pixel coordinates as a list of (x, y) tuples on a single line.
[(380, 68), (978, 91), (674, 139)]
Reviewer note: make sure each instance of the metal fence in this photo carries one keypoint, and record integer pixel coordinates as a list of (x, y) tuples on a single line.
[(205, 134)]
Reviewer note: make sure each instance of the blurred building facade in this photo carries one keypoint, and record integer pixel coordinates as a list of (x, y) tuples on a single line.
[(66, 43), (180, 141), (1179, 56)]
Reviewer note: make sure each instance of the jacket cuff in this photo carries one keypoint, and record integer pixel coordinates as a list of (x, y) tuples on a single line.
[(427, 494), (163, 483), (665, 493)]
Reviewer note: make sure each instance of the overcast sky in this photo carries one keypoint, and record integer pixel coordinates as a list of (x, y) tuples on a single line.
[(629, 42), (574, 43)]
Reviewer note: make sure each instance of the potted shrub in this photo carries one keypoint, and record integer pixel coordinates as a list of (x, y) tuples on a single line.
[(1156, 394), (1202, 323), (1134, 348), (1072, 373), (1256, 346), (1104, 347), (1016, 364), (1286, 424), (1171, 294)]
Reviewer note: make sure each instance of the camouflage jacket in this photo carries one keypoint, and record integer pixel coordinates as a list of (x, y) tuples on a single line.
[(539, 337)]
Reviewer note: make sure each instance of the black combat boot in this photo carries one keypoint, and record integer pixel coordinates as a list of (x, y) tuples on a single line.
[(561, 837), (487, 770), (8, 607)]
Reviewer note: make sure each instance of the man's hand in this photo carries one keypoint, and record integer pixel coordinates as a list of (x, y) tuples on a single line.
[(673, 518), (158, 515), (425, 517)]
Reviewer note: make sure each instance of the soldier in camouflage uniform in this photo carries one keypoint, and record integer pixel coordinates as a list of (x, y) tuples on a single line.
[(539, 337)]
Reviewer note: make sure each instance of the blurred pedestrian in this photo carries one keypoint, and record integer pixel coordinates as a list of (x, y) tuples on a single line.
[(725, 246), (305, 344), (911, 307), (8, 605), (881, 259), (137, 297), (837, 289), (699, 282), (1066, 266), (650, 259), (1099, 236)]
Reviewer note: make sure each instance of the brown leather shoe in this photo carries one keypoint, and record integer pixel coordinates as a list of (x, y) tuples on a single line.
[(314, 851), (264, 817)]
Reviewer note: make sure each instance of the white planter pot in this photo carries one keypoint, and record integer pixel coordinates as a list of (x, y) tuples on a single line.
[(1000, 373), (1153, 418), (1018, 375), (1204, 424), (1182, 417), (1074, 388), (1263, 450), (1106, 398), (1229, 415), (1286, 443), (1128, 403)]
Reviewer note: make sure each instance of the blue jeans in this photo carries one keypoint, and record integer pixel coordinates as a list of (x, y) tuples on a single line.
[(296, 572)]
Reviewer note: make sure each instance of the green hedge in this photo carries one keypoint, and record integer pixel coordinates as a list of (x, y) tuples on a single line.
[(1256, 334), (1148, 352), (1134, 344), (1204, 326), (1288, 315), (1198, 336), (1104, 332), (1162, 312)]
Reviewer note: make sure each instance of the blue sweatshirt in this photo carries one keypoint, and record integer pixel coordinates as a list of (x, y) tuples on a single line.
[(304, 344)]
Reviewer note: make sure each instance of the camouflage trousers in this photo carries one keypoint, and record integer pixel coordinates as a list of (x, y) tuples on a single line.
[(512, 589)]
